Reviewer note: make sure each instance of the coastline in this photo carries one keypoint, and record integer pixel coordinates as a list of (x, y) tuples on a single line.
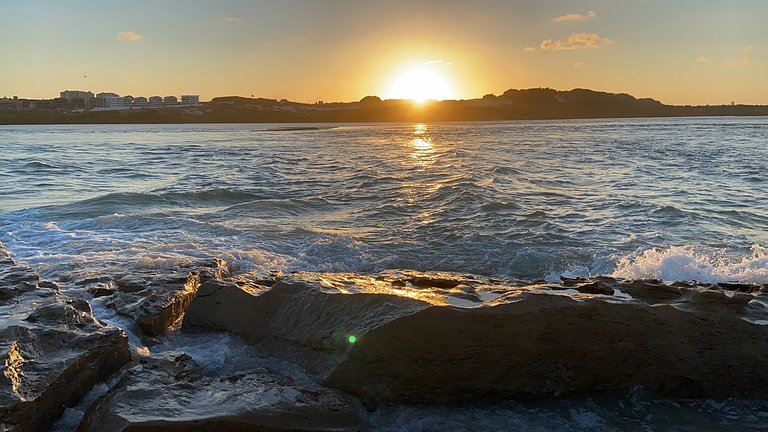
[(530, 104), (352, 344)]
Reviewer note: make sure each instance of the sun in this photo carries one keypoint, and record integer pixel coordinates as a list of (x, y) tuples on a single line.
[(421, 84)]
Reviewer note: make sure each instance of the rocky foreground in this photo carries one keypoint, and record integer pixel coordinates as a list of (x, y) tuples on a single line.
[(52, 349), (363, 341)]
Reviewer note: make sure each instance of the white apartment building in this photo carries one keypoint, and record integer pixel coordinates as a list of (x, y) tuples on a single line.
[(76, 94), (113, 101), (191, 100), (155, 102)]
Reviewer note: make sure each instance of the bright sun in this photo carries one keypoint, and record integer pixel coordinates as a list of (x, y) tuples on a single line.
[(421, 84)]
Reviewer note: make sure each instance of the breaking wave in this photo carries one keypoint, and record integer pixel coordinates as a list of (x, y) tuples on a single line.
[(685, 263)]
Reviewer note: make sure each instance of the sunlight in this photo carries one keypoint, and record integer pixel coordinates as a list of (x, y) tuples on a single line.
[(423, 149), (420, 85)]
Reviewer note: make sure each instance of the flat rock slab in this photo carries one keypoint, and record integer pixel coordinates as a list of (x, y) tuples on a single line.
[(167, 392), (419, 338), (154, 299), (52, 349)]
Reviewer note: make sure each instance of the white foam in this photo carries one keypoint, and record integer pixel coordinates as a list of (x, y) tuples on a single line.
[(72, 416), (685, 263), (570, 273), (51, 226), (154, 262)]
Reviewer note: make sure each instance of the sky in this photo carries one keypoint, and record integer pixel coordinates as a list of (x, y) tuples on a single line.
[(676, 51)]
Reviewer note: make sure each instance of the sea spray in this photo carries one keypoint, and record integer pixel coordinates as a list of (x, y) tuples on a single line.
[(685, 263)]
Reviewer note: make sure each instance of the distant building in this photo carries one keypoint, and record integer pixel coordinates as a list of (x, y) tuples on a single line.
[(192, 100), (77, 99), (112, 101), (76, 94), (10, 104), (43, 104), (60, 103), (155, 102), (104, 100)]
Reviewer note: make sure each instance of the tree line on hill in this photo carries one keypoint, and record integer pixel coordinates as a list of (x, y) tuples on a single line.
[(528, 104)]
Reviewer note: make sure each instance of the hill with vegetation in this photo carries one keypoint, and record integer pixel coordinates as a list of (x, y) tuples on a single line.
[(528, 104)]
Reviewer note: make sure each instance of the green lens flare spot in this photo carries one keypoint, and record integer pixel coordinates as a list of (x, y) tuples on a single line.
[(352, 339)]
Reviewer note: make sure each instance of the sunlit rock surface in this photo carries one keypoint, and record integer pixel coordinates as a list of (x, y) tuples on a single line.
[(52, 349), (168, 392), (413, 337)]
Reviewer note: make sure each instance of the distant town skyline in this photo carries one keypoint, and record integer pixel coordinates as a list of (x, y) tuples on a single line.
[(682, 52)]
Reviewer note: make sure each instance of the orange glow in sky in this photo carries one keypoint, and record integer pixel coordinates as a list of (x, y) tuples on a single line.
[(681, 52)]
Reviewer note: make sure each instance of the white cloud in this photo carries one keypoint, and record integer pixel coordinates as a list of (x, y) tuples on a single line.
[(744, 61), (575, 41), (129, 36), (575, 17)]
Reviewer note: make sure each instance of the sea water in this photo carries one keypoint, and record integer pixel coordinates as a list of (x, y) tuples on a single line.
[(673, 199), (636, 198)]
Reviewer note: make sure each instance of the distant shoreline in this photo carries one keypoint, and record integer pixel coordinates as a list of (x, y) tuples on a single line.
[(84, 121), (529, 104)]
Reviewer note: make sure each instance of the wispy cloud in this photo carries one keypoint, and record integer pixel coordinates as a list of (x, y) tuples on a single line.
[(574, 41), (129, 36), (745, 59), (578, 65), (575, 17), (232, 19), (703, 59)]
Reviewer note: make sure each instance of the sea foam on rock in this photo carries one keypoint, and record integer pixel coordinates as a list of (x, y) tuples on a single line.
[(52, 349), (397, 336), (167, 391)]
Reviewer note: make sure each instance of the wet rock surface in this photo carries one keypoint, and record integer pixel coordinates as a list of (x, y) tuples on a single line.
[(52, 349), (421, 342), (155, 299), (391, 337), (169, 392)]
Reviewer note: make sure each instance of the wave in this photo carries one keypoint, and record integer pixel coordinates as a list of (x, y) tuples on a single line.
[(41, 165), (284, 207), (130, 202), (685, 263)]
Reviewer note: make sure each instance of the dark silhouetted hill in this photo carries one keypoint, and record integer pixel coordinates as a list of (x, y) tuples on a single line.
[(528, 104)]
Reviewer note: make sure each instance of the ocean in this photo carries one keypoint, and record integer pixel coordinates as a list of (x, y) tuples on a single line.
[(671, 199), (674, 199)]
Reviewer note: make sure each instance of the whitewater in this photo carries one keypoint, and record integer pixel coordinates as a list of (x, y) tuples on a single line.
[(678, 199)]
